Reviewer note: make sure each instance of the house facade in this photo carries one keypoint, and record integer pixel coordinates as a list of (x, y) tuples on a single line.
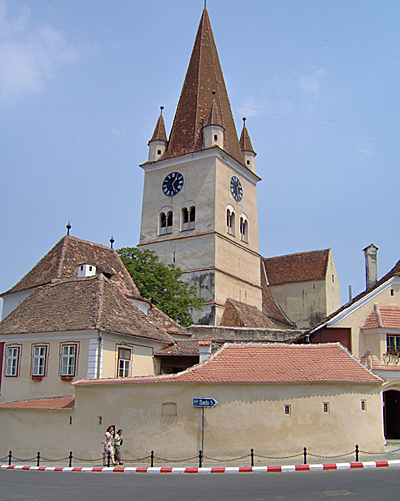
[(79, 316), (369, 326)]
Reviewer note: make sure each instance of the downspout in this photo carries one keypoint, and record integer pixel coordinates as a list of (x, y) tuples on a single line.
[(99, 353)]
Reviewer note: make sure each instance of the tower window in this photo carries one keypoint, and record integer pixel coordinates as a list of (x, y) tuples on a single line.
[(248, 162), (244, 229), (165, 222), (188, 217), (230, 221), (215, 137), (326, 406), (158, 152)]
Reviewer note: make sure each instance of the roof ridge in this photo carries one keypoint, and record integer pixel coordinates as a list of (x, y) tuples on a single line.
[(62, 255), (99, 302), (297, 253)]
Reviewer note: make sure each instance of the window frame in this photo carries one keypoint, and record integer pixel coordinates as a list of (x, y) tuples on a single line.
[(18, 347), (39, 374), (125, 360), (68, 356)]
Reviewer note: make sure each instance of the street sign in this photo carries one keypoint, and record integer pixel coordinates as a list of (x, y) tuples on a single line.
[(204, 402)]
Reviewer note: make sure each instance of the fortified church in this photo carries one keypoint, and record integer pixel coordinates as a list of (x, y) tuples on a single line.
[(80, 348), (199, 208)]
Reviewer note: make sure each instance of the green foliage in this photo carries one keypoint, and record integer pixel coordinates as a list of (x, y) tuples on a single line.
[(161, 284)]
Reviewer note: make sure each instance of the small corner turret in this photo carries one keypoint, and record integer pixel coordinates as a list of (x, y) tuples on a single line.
[(213, 130), (249, 154), (158, 142)]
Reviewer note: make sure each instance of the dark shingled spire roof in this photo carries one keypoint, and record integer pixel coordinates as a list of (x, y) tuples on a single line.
[(159, 133), (245, 141), (203, 76)]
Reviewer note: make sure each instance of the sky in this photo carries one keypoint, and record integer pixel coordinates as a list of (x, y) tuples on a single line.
[(81, 83)]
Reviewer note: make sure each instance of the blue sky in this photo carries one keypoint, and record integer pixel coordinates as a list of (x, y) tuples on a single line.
[(81, 83)]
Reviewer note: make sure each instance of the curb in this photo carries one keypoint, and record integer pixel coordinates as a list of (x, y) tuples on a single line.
[(239, 469)]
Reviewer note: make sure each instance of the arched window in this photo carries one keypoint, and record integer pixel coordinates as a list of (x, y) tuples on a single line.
[(230, 220), (165, 222), (188, 216), (244, 229)]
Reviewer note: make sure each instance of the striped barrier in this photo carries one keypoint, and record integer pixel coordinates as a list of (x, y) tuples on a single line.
[(238, 469)]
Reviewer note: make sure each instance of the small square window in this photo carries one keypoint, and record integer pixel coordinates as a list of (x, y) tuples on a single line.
[(326, 407), (287, 410), (158, 152), (363, 405)]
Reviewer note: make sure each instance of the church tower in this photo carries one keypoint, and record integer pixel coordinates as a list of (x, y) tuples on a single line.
[(199, 208)]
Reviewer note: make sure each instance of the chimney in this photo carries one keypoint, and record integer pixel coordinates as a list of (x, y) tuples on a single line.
[(204, 350), (371, 265)]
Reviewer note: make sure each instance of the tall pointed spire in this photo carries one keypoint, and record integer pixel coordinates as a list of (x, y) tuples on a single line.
[(204, 75), (159, 133), (245, 141)]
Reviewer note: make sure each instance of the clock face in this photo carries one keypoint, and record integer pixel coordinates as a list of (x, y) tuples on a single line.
[(172, 184), (236, 189)]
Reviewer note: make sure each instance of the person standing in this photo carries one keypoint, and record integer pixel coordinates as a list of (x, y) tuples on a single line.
[(118, 441), (109, 445)]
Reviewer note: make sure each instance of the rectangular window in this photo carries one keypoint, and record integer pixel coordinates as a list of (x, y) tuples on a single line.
[(392, 343), (124, 362), (326, 407), (12, 358), (68, 360), (287, 409), (363, 405), (38, 361)]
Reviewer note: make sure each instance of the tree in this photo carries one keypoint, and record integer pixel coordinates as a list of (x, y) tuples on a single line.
[(161, 284)]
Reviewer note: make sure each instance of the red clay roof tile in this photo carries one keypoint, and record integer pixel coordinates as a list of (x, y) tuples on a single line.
[(383, 317), (300, 267), (268, 363), (50, 404)]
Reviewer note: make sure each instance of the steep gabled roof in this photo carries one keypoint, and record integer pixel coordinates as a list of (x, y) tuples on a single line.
[(166, 323), (204, 75), (62, 262), (238, 314), (383, 317), (267, 363), (81, 304), (269, 306), (300, 267)]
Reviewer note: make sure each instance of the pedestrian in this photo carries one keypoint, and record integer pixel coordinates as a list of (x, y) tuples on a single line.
[(118, 441), (108, 443)]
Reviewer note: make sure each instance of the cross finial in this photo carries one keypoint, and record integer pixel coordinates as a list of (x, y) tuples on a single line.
[(68, 227)]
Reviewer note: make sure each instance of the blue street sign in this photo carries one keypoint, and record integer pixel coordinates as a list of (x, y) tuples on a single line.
[(204, 402)]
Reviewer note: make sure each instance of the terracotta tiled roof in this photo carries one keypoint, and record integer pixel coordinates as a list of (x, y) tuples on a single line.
[(186, 347), (269, 363), (383, 317), (269, 305), (165, 322), (204, 75), (394, 272), (62, 262), (50, 404), (245, 141), (300, 267), (239, 314), (159, 133), (80, 304)]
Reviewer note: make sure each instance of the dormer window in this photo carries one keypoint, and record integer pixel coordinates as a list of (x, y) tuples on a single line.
[(86, 270)]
